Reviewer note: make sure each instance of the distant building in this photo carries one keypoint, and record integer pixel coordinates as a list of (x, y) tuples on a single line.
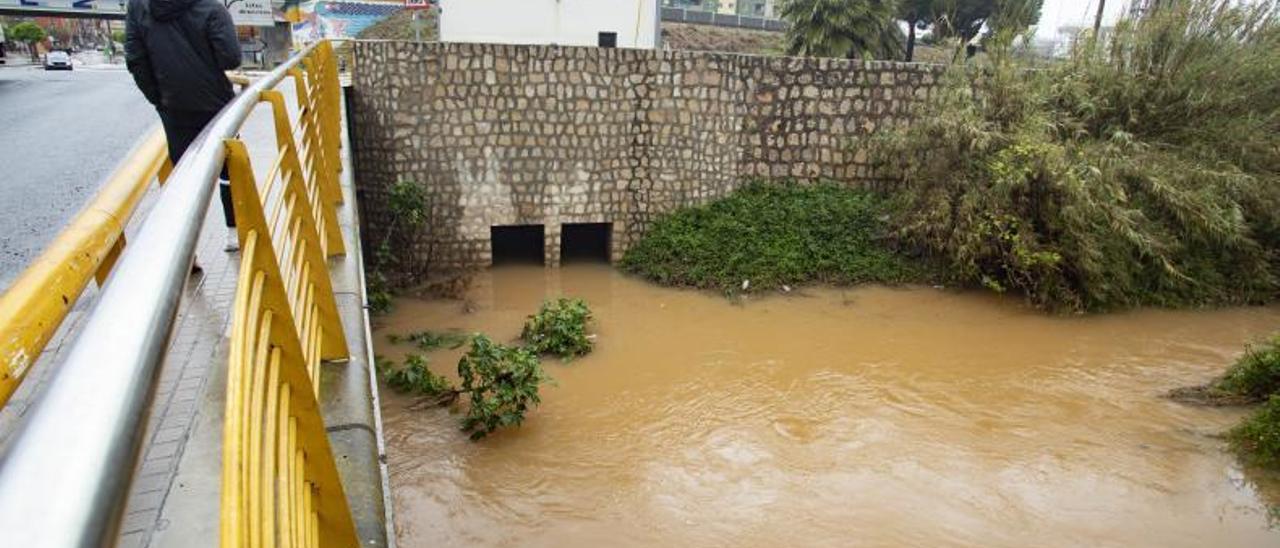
[(745, 8), (755, 8), (694, 5), (605, 23)]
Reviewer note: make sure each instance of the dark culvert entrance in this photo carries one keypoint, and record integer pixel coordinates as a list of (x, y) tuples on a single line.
[(520, 244), (585, 242)]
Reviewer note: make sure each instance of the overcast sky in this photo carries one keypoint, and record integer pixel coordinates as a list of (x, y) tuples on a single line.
[(1057, 13)]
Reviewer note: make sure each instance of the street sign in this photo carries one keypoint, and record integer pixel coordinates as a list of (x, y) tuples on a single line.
[(250, 13)]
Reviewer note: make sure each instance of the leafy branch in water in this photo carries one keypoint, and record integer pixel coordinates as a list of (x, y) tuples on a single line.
[(1256, 375), (559, 327), (427, 341), (415, 378), (501, 383)]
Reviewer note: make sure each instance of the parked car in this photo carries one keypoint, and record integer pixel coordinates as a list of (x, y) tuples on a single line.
[(57, 60)]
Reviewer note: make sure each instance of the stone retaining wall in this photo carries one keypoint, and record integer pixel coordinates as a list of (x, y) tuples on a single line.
[(512, 135)]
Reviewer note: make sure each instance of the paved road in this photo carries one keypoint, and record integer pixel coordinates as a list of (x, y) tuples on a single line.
[(61, 133)]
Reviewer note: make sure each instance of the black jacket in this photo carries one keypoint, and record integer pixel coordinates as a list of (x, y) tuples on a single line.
[(177, 51)]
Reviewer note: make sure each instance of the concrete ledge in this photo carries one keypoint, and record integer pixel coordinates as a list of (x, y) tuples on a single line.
[(349, 390)]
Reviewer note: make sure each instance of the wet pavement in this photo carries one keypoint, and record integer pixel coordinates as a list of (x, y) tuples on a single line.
[(61, 134)]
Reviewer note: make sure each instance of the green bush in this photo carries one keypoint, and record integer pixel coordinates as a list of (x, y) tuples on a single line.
[(377, 293), (1143, 170), (1257, 439), (395, 259), (501, 383), (414, 377), (1255, 375), (559, 327), (767, 235)]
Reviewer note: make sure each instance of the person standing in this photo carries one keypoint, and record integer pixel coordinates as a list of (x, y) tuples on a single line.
[(177, 52)]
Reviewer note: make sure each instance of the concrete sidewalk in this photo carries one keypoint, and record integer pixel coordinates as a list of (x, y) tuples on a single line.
[(174, 498)]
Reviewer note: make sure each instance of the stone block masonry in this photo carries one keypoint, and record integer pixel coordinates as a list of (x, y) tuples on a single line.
[(546, 135)]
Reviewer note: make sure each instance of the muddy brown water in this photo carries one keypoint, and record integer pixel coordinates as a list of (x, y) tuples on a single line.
[(833, 417)]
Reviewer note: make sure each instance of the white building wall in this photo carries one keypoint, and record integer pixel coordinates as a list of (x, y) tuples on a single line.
[(563, 22)]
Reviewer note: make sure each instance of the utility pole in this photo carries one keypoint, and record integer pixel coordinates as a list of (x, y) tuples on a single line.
[(1097, 21)]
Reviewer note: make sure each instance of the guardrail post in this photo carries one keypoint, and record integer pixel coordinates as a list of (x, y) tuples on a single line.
[(305, 272), (326, 218), (320, 158), (279, 480)]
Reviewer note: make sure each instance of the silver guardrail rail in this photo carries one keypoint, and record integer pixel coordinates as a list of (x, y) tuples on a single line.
[(65, 474)]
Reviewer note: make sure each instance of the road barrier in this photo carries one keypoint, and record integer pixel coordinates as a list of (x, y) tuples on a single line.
[(34, 307), (65, 474)]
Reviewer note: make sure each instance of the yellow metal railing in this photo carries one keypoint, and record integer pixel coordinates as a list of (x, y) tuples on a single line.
[(74, 456), (33, 308), (280, 485)]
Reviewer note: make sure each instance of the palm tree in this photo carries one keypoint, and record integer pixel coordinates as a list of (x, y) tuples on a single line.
[(842, 28)]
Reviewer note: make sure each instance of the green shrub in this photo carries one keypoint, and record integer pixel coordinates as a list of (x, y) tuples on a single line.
[(769, 235), (559, 327), (1143, 170), (501, 383), (427, 341), (414, 377), (395, 258), (1255, 375), (377, 293), (1257, 439)]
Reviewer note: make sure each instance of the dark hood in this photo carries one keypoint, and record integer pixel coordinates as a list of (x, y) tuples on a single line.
[(167, 10)]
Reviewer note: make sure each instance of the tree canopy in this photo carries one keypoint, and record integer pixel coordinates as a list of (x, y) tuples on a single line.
[(843, 28), (1014, 16), (27, 32), (857, 28), (966, 19)]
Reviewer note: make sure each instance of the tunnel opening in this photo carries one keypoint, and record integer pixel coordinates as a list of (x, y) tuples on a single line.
[(585, 242), (518, 244)]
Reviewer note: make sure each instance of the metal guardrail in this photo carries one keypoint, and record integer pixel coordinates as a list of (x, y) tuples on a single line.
[(279, 479), (65, 475), (34, 307)]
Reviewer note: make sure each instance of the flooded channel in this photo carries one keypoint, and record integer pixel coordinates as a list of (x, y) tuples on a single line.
[(859, 417)]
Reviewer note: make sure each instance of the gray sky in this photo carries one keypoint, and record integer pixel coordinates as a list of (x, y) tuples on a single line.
[(1057, 13)]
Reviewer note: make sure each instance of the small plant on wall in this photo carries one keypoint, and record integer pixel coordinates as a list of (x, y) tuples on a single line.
[(501, 383), (559, 327), (395, 258)]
